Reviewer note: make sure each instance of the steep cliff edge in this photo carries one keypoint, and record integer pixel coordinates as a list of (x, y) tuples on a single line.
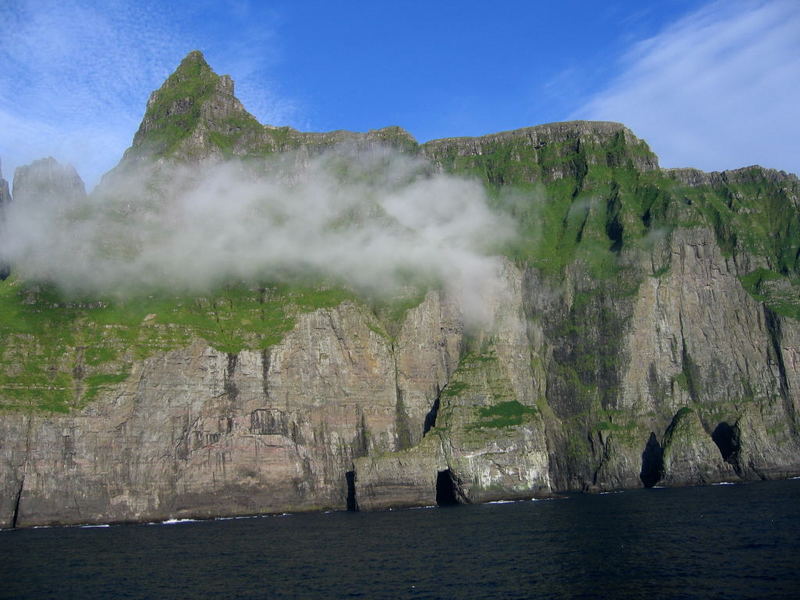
[(644, 332)]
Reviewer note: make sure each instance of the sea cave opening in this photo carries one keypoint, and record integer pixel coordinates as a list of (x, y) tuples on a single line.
[(726, 437), (352, 503), (446, 489), (652, 462)]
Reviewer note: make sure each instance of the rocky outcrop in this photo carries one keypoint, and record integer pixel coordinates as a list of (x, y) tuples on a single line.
[(46, 182), (543, 153), (195, 116), (696, 177)]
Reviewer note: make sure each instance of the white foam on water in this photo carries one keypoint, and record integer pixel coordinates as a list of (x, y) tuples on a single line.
[(176, 521), (724, 483)]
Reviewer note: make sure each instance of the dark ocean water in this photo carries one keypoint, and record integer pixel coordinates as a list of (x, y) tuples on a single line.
[(732, 541)]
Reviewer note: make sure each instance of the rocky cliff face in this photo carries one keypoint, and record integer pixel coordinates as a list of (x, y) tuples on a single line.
[(645, 332), (46, 181), (194, 115)]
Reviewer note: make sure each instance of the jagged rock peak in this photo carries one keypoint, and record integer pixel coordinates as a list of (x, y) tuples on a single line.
[(194, 59), (193, 114), (47, 179), (192, 66)]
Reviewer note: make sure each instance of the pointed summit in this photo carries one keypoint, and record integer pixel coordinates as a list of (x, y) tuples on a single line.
[(194, 114)]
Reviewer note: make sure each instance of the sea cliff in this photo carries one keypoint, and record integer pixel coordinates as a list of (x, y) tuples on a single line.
[(644, 331)]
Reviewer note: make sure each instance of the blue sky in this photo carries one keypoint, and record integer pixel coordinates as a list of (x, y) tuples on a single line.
[(713, 85)]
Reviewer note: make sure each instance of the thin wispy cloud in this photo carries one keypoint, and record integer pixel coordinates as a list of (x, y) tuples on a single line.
[(717, 89), (76, 75)]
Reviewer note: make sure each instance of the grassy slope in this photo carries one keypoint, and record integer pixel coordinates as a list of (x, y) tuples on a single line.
[(59, 354)]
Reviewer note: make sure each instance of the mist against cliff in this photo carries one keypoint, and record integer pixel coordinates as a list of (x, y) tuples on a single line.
[(372, 220)]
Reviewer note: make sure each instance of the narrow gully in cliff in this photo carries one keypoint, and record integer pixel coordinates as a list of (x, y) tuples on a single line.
[(265, 363), (403, 430), (352, 502), (430, 418), (229, 384), (773, 323), (15, 514)]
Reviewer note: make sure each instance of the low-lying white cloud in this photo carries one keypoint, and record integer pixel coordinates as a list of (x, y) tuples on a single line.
[(716, 90), (371, 220)]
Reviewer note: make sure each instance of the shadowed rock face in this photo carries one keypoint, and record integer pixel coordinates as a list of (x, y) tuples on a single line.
[(669, 371)]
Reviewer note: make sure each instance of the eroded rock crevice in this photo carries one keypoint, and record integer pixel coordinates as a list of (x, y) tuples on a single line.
[(726, 437), (229, 383), (266, 358), (404, 438), (430, 418), (15, 514), (652, 462), (352, 502)]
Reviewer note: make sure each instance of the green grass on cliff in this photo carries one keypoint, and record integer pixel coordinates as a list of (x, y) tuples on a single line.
[(755, 210), (571, 201), (176, 111), (175, 108), (779, 293), (59, 354), (504, 414)]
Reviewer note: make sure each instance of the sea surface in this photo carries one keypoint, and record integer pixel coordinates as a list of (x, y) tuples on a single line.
[(723, 541)]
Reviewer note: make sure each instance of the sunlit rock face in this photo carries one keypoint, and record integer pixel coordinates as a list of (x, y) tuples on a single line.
[(641, 330)]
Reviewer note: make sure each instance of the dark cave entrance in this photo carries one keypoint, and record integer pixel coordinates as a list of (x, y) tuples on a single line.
[(352, 503), (446, 489), (727, 440), (652, 462)]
